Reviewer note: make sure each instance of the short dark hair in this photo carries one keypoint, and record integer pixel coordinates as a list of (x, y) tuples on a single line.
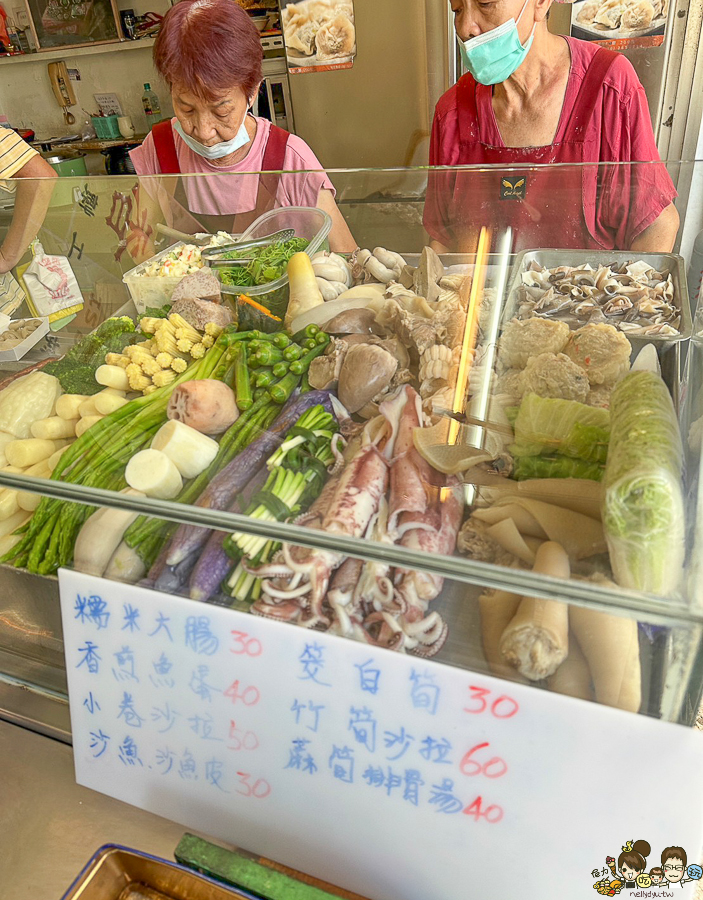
[(674, 853), (209, 47)]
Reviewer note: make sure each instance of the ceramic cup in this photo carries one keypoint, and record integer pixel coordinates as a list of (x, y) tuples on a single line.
[(126, 127)]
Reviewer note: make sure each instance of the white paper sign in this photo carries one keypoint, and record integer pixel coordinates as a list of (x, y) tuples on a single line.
[(391, 776)]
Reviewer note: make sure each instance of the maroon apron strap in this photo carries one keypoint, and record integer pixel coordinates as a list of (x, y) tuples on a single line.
[(588, 98), (165, 147)]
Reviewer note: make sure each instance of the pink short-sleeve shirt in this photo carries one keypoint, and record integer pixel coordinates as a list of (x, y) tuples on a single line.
[(221, 194)]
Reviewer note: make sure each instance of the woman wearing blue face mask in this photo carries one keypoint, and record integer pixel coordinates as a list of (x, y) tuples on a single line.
[(533, 98), (209, 53)]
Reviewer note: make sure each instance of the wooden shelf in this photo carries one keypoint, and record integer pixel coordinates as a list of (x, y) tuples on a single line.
[(44, 56)]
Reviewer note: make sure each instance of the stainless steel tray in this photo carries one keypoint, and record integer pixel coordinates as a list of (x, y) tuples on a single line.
[(118, 873), (669, 263)]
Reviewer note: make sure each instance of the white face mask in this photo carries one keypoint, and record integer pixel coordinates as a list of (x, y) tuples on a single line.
[(216, 151)]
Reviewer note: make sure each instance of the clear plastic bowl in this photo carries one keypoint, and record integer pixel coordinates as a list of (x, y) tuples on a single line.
[(310, 223)]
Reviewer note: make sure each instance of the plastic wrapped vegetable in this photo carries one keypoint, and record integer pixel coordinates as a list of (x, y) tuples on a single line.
[(546, 425), (27, 400), (643, 509)]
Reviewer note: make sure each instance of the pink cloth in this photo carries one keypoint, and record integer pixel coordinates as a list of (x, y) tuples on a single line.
[(225, 195), (624, 202)]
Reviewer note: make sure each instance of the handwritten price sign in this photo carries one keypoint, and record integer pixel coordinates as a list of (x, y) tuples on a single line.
[(393, 776)]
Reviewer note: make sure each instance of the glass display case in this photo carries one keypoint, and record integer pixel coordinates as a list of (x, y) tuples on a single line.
[(440, 454)]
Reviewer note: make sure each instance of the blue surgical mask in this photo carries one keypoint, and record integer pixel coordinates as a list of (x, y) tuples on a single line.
[(493, 56), (217, 151)]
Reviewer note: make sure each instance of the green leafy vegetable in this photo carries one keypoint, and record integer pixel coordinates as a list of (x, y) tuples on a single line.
[(546, 426), (268, 265), (556, 466), (643, 511), (76, 370), (156, 312)]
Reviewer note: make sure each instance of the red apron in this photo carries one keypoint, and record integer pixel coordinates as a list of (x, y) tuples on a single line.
[(553, 206), (271, 167)]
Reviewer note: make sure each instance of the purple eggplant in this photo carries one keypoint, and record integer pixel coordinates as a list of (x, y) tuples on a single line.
[(221, 491), (211, 568)]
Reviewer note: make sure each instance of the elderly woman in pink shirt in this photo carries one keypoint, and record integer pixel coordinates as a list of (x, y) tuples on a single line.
[(209, 53)]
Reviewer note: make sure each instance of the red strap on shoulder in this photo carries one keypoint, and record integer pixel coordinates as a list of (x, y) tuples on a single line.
[(589, 95), (275, 153), (165, 147)]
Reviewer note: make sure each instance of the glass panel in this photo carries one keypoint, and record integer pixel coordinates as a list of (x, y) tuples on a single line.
[(448, 417)]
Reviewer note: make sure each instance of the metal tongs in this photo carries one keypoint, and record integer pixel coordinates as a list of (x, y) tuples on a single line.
[(213, 255)]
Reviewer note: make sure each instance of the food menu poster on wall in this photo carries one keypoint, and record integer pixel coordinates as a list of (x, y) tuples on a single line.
[(320, 35), (620, 24), (390, 775)]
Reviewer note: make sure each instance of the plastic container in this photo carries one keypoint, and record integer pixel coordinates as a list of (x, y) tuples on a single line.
[(152, 290), (26, 345), (106, 127), (310, 223)]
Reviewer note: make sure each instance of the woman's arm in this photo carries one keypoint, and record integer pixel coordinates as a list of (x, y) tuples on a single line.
[(340, 238), (31, 203), (660, 236)]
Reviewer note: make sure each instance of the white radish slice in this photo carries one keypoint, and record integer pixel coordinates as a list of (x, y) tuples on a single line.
[(190, 451), (153, 473)]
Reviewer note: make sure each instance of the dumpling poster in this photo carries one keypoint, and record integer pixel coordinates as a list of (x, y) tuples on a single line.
[(320, 35), (620, 24)]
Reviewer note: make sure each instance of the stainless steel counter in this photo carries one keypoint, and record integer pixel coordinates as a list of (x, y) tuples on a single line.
[(50, 827)]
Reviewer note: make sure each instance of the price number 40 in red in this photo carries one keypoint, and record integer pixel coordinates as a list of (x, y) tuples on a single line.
[(249, 695), (493, 768)]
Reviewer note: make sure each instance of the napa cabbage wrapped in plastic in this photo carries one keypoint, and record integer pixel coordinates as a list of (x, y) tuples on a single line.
[(547, 425), (643, 509)]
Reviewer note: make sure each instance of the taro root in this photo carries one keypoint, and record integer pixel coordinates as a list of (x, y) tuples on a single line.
[(207, 405), (366, 371)]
